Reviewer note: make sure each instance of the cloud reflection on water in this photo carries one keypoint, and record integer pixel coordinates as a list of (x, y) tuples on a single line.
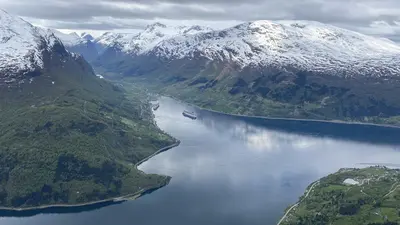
[(213, 146)]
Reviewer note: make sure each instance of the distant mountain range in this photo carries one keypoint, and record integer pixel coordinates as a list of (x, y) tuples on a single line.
[(306, 46), (301, 44), (66, 136), (126, 43), (298, 69), (135, 44)]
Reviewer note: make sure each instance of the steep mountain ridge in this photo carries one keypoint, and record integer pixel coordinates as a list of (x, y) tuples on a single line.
[(21, 48)]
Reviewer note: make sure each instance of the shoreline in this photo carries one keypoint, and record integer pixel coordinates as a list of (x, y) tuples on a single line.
[(306, 194), (176, 144), (110, 201), (283, 118)]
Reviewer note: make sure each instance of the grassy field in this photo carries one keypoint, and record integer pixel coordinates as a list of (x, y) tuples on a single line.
[(374, 200)]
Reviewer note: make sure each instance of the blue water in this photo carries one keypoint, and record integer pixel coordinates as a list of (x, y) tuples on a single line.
[(234, 171)]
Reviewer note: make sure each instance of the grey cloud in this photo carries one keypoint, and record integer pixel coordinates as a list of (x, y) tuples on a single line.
[(77, 14), (320, 10), (68, 12), (188, 2), (90, 10), (88, 26)]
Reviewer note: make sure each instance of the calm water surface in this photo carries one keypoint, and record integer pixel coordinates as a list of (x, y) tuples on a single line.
[(230, 171)]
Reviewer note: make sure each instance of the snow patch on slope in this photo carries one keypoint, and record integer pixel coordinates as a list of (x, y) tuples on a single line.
[(305, 45)]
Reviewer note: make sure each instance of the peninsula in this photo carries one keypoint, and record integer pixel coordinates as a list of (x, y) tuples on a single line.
[(351, 196)]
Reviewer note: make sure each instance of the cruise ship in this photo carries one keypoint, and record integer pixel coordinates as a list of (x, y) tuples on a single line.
[(156, 106), (190, 115)]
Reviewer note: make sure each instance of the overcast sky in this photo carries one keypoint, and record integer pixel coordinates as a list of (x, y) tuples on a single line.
[(376, 17)]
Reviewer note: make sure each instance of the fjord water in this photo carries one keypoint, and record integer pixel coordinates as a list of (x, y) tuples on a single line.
[(237, 171)]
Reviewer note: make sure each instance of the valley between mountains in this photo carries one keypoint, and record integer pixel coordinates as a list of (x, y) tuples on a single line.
[(292, 69)]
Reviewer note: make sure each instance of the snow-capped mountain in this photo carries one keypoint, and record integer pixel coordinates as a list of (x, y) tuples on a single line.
[(280, 68), (31, 54), (307, 46), (22, 47), (138, 43)]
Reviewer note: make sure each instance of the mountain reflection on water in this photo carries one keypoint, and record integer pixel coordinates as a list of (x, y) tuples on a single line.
[(234, 171), (353, 132)]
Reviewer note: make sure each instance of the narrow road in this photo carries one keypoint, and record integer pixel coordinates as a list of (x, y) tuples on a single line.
[(392, 190), (295, 205)]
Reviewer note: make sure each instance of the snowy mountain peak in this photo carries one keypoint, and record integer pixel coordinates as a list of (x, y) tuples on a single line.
[(21, 46), (301, 44)]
